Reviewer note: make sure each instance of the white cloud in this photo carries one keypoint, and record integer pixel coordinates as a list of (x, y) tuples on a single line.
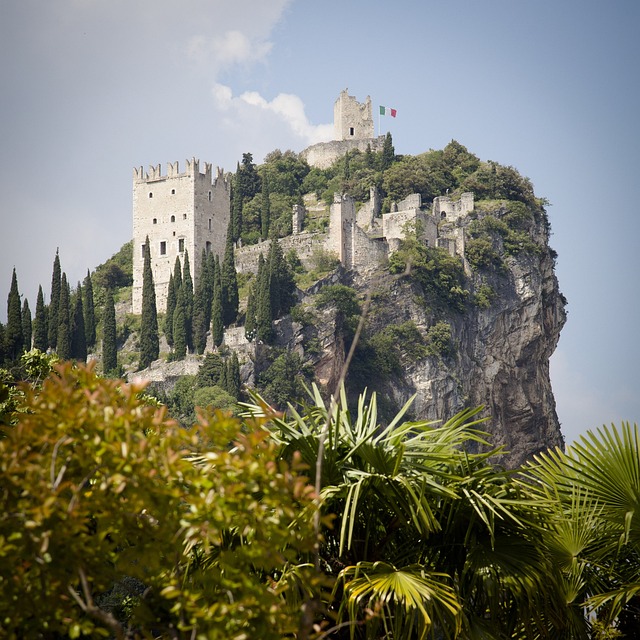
[(285, 108), (232, 47)]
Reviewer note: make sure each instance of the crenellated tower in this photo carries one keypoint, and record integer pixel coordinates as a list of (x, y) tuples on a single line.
[(179, 212)]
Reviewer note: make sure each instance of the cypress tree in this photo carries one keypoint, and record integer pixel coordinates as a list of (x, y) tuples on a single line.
[(283, 285), (2, 345), (13, 336), (27, 333), (210, 275), (40, 323), (88, 304), (237, 198), (109, 347), (179, 328), (78, 330), (171, 307), (149, 340), (63, 340), (217, 324), (233, 376), (200, 298), (54, 301), (177, 275), (187, 286), (265, 207), (224, 384), (263, 303), (229, 280), (250, 316), (388, 152)]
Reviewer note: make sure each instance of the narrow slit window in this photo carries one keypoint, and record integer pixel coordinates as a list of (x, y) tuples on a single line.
[(208, 247), (151, 194), (163, 248), (181, 245), (351, 131), (209, 224)]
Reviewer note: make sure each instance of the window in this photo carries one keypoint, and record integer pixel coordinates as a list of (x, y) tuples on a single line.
[(163, 248), (209, 224), (181, 245), (173, 192), (151, 194), (208, 247), (142, 252), (173, 218), (209, 196), (351, 131), (155, 221), (184, 216)]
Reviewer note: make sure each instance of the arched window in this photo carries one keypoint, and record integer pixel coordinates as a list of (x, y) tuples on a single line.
[(155, 221), (173, 218), (151, 194), (173, 192)]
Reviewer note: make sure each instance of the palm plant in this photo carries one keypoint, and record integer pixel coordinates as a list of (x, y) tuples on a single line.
[(593, 535), (428, 540)]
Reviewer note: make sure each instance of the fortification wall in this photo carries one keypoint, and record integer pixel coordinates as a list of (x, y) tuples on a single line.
[(445, 208), (324, 154)]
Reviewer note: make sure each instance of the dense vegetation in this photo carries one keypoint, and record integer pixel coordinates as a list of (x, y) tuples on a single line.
[(319, 523)]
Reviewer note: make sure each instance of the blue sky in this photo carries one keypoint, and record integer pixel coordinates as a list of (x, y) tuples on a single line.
[(92, 88)]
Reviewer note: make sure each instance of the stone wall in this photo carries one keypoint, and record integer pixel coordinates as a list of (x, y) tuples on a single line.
[(179, 212), (446, 208), (324, 154), (352, 120)]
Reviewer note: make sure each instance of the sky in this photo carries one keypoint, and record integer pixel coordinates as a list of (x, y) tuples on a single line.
[(92, 88)]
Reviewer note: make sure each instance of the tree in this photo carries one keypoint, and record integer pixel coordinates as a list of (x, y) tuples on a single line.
[(3, 356), (40, 340), (63, 341), (250, 315), (14, 337), (264, 331), (78, 332), (171, 306), (141, 528), (149, 340), (179, 327), (54, 301), (229, 281), (187, 294), (265, 211), (109, 344), (88, 305), (233, 375), (217, 311), (27, 331), (281, 282), (388, 152), (177, 275)]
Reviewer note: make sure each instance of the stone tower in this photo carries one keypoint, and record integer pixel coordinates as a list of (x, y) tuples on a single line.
[(352, 120), (178, 212)]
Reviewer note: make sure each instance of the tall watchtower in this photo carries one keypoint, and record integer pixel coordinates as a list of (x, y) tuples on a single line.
[(352, 120), (178, 212)]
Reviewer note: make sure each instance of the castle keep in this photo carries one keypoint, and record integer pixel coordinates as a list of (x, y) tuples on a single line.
[(179, 212)]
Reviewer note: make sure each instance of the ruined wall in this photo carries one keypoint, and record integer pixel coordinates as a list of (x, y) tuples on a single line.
[(352, 120), (178, 212), (446, 208), (324, 154)]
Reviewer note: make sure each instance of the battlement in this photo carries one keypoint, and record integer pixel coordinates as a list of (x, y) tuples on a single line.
[(154, 174)]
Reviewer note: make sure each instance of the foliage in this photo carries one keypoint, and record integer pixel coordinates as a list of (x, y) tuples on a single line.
[(429, 539), (101, 491), (109, 344), (63, 338), (343, 298), (54, 301), (27, 325), (88, 306), (215, 397), (509, 229), (480, 253), (78, 333), (439, 339), (149, 339), (229, 282), (283, 381), (171, 307), (117, 271), (40, 323), (440, 274), (179, 350), (484, 296), (13, 333)]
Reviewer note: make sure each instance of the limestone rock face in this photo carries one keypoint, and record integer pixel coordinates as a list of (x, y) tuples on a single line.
[(499, 356)]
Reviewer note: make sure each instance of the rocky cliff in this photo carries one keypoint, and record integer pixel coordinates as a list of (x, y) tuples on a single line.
[(484, 342)]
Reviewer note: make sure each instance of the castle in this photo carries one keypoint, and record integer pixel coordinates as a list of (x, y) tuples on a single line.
[(178, 212), (190, 211)]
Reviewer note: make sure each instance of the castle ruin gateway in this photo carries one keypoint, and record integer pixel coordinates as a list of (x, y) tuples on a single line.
[(352, 129), (179, 212)]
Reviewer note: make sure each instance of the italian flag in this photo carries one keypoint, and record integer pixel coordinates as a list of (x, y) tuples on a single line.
[(387, 111)]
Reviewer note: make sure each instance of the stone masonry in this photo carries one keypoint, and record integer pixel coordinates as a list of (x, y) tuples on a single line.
[(178, 212)]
